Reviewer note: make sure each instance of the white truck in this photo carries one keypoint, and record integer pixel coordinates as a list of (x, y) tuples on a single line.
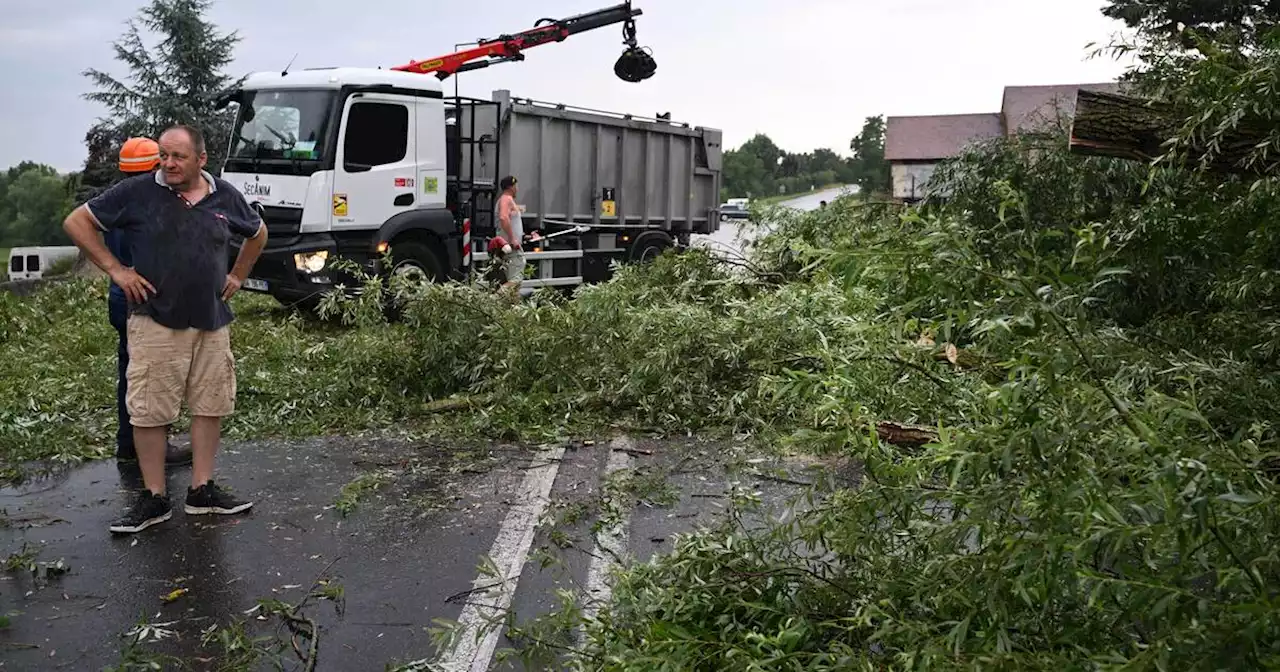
[(355, 162)]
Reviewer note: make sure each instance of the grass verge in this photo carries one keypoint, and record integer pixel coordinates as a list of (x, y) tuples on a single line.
[(297, 376)]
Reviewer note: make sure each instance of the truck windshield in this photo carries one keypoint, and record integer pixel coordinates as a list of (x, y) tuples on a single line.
[(280, 131)]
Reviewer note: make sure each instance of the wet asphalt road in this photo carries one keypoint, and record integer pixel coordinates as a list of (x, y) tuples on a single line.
[(728, 237), (405, 556)]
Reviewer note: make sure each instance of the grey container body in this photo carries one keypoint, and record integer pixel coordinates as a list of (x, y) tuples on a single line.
[(662, 175)]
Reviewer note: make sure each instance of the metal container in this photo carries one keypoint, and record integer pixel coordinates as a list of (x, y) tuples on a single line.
[(582, 166)]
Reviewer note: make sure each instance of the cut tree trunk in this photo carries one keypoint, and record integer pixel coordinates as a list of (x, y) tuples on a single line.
[(910, 436), (1106, 124)]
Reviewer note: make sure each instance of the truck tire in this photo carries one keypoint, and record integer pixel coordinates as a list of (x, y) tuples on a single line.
[(417, 260), (649, 245), (414, 258)]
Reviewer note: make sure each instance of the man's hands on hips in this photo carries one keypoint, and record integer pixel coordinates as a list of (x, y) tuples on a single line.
[(135, 286), (231, 287)]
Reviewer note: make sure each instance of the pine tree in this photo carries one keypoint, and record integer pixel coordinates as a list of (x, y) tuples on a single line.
[(1230, 23), (176, 80)]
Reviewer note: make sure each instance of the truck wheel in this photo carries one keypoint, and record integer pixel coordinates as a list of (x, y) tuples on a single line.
[(648, 246), (416, 261)]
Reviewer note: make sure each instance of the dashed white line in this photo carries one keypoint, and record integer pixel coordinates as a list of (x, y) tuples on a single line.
[(478, 638), (611, 539)]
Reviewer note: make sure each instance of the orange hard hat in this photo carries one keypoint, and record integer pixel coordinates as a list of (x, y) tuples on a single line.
[(139, 155)]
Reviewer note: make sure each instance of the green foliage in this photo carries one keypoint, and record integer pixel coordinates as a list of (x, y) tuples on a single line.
[(677, 344), (760, 169), (34, 199), (748, 171), (869, 168), (1099, 495), (296, 376), (1234, 22), (1229, 105), (351, 494), (175, 80)]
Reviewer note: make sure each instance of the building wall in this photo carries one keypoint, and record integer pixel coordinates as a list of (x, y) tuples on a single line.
[(909, 179)]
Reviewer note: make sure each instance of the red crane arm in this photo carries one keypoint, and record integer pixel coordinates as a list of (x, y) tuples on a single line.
[(501, 49), (510, 47)]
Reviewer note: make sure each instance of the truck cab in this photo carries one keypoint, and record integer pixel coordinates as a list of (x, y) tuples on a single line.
[(338, 162)]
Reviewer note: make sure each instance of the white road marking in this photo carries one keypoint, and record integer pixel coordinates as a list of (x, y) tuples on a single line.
[(509, 552), (611, 540)]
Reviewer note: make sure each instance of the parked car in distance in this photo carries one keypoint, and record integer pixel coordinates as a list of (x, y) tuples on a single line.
[(735, 208)]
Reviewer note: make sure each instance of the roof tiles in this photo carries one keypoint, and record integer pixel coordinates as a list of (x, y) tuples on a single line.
[(937, 137), (1024, 109)]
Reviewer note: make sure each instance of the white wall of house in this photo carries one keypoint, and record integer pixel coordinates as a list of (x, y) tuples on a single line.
[(909, 179)]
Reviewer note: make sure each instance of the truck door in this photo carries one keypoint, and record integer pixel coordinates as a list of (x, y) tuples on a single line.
[(375, 170)]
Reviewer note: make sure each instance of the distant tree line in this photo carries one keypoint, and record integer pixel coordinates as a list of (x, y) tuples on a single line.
[(760, 168), (33, 200)]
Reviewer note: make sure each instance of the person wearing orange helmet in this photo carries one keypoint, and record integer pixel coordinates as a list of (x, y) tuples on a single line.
[(137, 155)]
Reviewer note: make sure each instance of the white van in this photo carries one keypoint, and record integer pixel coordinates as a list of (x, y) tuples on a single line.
[(31, 263)]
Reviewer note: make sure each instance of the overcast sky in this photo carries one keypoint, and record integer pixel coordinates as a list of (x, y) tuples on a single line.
[(806, 72)]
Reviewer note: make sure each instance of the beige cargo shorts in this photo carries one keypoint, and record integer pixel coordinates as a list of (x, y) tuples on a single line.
[(514, 266), (167, 366)]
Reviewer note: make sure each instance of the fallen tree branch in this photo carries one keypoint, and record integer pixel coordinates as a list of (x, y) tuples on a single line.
[(472, 591), (446, 405), (911, 436)]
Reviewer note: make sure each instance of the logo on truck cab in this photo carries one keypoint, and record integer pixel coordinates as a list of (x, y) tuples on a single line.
[(257, 188)]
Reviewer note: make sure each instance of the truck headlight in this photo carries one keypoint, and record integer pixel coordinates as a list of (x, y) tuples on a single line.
[(311, 262)]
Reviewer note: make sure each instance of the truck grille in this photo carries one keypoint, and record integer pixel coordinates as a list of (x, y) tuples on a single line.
[(281, 221)]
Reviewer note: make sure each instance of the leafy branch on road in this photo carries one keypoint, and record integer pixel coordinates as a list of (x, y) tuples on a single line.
[(236, 646)]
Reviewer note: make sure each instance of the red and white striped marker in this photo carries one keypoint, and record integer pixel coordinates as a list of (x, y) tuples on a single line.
[(466, 244)]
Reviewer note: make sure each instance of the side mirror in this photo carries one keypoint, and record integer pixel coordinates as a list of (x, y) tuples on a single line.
[(356, 167), (227, 97)]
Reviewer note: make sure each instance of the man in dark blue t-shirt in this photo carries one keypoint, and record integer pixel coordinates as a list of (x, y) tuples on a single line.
[(180, 223), (137, 155)]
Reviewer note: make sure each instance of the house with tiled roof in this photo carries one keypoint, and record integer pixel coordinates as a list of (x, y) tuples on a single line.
[(914, 146)]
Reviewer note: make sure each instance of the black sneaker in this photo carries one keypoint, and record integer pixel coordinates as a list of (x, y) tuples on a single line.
[(210, 498), (147, 510)]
